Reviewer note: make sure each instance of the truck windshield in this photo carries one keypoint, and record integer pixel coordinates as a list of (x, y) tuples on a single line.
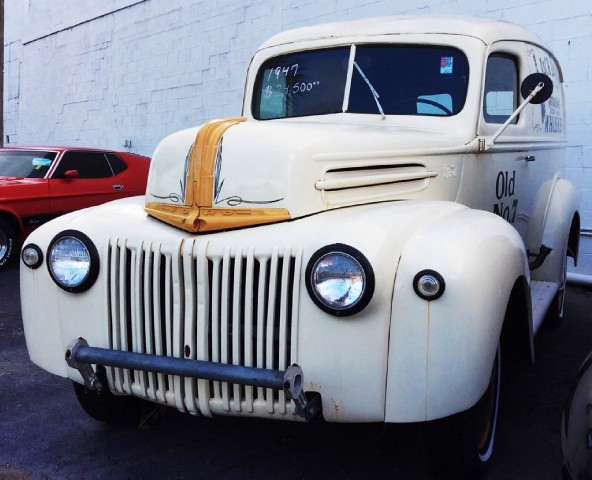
[(381, 79)]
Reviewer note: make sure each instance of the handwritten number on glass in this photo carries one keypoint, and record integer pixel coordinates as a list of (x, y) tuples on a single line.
[(285, 71)]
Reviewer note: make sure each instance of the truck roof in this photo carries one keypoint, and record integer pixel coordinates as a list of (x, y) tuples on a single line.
[(487, 30)]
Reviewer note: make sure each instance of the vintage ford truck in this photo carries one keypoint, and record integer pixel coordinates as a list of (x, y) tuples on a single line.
[(388, 210)]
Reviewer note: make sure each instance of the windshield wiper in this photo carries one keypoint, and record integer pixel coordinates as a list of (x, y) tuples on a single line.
[(372, 89)]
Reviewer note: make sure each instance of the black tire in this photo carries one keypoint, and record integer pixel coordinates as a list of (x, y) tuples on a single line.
[(8, 243), (106, 407), (461, 446)]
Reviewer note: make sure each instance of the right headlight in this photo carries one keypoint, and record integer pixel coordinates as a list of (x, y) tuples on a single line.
[(73, 261), (340, 280)]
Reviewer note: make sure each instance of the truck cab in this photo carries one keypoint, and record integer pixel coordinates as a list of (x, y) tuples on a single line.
[(385, 215)]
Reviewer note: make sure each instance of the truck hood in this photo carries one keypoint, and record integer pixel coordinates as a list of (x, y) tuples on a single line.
[(236, 173)]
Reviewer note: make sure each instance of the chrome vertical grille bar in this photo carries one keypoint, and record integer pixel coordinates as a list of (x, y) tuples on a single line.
[(113, 298), (124, 299), (158, 313), (237, 328), (224, 321), (176, 298), (261, 316), (155, 391), (270, 324), (248, 322), (215, 283), (136, 312), (283, 323), (190, 324), (203, 330), (294, 315)]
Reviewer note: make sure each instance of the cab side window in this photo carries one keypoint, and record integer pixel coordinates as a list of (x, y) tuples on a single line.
[(88, 164), (501, 88)]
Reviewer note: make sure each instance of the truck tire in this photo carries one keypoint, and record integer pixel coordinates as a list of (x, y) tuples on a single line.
[(106, 407), (461, 446), (7, 243)]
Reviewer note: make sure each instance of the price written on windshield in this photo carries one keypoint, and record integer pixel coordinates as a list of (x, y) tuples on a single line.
[(287, 74), (296, 88)]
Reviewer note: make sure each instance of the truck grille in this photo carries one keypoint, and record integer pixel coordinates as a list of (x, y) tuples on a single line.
[(232, 306)]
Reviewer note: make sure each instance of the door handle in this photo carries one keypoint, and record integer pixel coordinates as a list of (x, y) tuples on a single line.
[(117, 187), (529, 158)]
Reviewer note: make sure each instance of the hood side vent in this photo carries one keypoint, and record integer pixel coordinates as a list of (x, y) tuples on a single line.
[(372, 182)]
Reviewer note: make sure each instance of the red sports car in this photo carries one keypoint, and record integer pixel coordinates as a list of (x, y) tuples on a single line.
[(38, 184)]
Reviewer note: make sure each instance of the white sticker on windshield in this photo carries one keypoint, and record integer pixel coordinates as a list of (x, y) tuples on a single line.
[(446, 65)]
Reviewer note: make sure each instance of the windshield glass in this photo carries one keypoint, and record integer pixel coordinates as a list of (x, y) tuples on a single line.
[(381, 79), (25, 164)]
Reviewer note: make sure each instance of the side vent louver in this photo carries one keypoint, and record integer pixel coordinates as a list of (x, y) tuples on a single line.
[(375, 182)]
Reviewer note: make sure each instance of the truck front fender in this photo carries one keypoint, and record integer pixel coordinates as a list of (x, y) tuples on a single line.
[(441, 352)]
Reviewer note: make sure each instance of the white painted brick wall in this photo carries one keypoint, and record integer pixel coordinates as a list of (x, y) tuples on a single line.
[(99, 73)]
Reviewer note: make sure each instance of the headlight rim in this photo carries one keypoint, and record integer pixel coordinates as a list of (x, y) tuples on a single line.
[(94, 268), (368, 292)]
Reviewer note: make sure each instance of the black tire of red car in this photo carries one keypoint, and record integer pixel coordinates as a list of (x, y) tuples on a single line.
[(106, 407), (461, 446), (7, 243)]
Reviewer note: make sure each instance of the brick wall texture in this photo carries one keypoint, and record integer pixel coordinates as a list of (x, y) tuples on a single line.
[(120, 72)]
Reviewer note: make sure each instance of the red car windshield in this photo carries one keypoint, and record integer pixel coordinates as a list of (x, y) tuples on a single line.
[(25, 164)]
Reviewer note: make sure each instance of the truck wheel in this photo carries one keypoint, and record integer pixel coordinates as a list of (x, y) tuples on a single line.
[(7, 242), (106, 407), (461, 446)]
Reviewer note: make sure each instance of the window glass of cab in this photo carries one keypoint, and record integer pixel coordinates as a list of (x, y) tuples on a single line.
[(88, 165), (385, 78), (301, 84), (409, 80), (501, 88)]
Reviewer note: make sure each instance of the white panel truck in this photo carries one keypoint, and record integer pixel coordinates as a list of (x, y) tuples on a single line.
[(384, 219)]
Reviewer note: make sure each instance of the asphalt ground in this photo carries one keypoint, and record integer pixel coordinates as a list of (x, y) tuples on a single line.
[(44, 434)]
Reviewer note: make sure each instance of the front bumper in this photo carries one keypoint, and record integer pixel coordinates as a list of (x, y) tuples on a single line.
[(80, 356)]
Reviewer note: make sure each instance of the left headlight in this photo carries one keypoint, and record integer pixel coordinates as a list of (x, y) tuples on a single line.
[(340, 280), (73, 261)]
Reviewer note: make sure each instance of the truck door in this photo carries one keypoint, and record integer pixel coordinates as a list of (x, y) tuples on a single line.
[(517, 173)]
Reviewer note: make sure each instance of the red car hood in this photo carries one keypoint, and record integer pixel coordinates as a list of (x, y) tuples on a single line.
[(18, 181), (18, 188)]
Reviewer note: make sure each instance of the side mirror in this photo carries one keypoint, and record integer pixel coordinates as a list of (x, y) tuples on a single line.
[(531, 82), (71, 174), (536, 88)]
